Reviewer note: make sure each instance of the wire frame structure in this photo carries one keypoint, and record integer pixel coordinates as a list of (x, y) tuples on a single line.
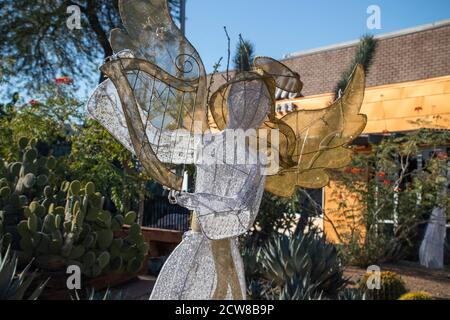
[(321, 139), (156, 90), (154, 103)]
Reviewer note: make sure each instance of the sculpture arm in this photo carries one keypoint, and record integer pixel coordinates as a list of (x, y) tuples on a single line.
[(218, 203)]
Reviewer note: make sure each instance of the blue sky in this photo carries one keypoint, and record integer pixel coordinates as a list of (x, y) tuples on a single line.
[(284, 26)]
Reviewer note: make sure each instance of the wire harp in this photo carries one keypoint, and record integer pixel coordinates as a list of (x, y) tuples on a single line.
[(155, 97)]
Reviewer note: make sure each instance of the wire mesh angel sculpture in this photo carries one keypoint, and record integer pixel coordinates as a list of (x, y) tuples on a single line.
[(154, 103)]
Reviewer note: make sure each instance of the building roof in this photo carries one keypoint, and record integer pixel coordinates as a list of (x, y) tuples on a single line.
[(417, 53), (387, 35)]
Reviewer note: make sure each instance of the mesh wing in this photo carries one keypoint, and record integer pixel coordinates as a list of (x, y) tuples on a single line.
[(321, 139)]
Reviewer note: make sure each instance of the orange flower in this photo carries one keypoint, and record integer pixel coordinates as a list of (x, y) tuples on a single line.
[(381, 174), (356, 170), (63, 80), (387, 182)]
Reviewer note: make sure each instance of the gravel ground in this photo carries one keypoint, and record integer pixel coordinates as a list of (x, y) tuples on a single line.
[(416, 277)]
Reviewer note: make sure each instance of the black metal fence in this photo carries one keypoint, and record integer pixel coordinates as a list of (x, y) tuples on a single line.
[(161, 214)]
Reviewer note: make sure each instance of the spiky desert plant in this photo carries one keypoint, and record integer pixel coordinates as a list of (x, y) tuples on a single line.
[(298, 288), (299, 267), (13, 286), (351, 294), (91, 294)]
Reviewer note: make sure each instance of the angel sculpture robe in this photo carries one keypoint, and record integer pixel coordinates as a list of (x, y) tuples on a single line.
[(207, 264)]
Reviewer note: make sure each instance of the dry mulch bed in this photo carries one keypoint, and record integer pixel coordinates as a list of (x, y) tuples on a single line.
[(416, 277)]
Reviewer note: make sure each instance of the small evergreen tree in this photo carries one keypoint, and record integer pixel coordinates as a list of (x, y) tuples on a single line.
[(244, 56), (364, 56)]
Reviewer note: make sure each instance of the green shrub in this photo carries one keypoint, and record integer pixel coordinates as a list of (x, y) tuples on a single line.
[(417, 295), (391, 287)]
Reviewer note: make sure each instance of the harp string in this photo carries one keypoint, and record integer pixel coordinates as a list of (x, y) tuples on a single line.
[(144, 134), (180, 111), (158, 96), (190, 132), (164, 118)]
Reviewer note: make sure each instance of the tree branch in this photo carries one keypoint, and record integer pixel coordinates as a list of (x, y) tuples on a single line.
[(102, 37)]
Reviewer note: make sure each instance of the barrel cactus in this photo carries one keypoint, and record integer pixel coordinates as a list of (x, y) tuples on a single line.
[(391, 288), (77, 231), (418, 295)]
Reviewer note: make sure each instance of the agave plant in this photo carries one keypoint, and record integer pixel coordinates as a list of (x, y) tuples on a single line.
[(13, 286), (93, 295), (300, 267), (351, 294), (300, 289)]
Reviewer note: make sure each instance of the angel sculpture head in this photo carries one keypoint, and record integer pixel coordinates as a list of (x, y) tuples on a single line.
[(248, 103)]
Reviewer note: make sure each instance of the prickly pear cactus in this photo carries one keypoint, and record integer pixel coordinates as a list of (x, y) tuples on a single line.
[(77, 231), (21, 183)]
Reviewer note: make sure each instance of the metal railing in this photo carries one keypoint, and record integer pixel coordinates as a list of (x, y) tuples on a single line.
[(159, 213)]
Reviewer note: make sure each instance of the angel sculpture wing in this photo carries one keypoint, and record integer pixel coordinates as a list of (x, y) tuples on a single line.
[(321, 137), (155, 94), (310, 141)]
